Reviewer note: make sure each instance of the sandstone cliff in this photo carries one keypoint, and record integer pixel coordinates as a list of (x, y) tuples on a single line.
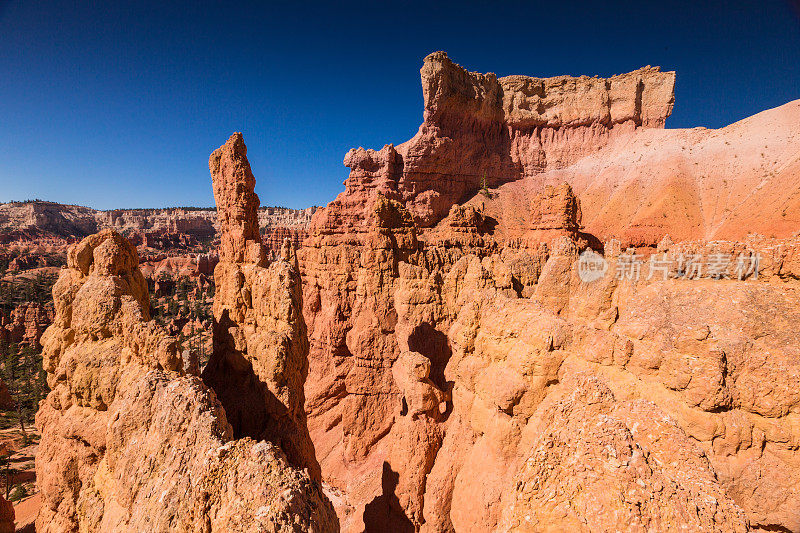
[(439, 397), (696, 184), (462, 375), (604, 137), (479, 129)]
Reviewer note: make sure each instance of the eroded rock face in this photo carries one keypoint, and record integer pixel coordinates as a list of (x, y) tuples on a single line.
[(234, 187), (155, 228), (594, 464), (462, 375), (479, 129), (692, 184), (6, 516), (404, 453), (131, 439), (260, 359)]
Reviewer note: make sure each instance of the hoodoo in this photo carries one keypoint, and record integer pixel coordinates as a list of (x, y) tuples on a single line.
[(132, 438), (260, 359)]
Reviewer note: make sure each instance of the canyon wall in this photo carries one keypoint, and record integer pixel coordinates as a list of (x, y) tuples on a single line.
[(693, 184), (605, 137), (430, 349), (460, 383), (463, 376), (482, 130)]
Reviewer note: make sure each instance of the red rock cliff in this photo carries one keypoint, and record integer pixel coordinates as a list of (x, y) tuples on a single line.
[(478, 128), (463, 377)]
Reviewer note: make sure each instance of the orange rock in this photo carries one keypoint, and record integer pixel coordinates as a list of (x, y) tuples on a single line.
[(48, 224), (473, 302), (481, 130), (597, 463), (462, 375), (237, 202), (260, 359), (131, 439), (6, 516)]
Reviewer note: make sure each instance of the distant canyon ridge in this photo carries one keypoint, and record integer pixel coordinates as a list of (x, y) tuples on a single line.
[(42, 221)]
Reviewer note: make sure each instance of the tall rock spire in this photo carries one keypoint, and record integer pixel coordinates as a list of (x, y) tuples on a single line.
[(237, 202), (260, 359)]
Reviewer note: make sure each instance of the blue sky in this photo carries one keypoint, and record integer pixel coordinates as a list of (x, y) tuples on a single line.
[(119, 104)]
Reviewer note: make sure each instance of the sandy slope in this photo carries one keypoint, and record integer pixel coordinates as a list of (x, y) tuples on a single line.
[(689, 183)]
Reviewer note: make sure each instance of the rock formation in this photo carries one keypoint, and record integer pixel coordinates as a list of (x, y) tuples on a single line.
[(132, 440), (481, 130), (604, 137), (260, 359), (595, 465), (695, 184), (6, 516), (463, 373), (26, 324), (463, 376)]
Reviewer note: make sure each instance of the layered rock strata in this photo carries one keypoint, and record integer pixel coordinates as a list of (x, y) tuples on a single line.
[(40, 221), (464, 377), (480, 130), (695, 184)]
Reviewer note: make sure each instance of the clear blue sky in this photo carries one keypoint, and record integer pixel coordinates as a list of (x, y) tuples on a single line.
[(118, 104)]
